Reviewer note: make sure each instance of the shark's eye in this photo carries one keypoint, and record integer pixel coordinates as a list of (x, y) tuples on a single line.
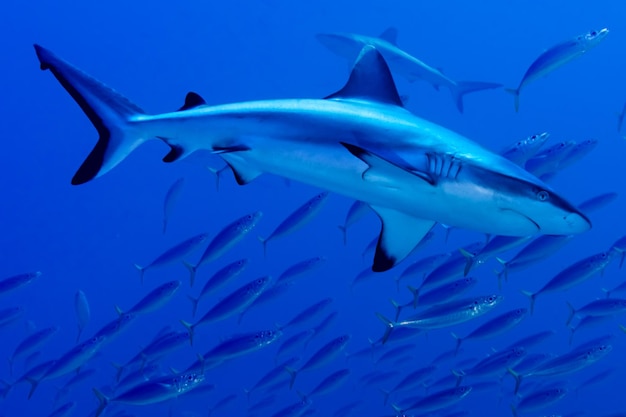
[(543, 195)]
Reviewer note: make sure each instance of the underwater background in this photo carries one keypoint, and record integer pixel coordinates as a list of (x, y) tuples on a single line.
[(88, 237)]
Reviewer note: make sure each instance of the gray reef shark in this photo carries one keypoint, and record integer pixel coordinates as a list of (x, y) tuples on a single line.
[(359, 142)]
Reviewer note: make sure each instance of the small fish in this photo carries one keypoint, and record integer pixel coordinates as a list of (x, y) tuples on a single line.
[(81, 307), (619, 246), (357, 210), (31, 343), (538, 400), (271, 376), (572, 275), (298, 218), (440, 294), (64, 410), (308, 313), (496, 325), (225, 239), (531, 340), (81, 376), (620, 118), (235, 302), (556, 56), (495, 364), (443, 315), (239, 344), (537, 250), (323, 355), (597, 202), (300, 268), (521, 151), (419, 269), (437, 400), (71, 360), (114, 328), (547, 161), (494, 246), (170, 200), (154, 300), (174, 253), (410, 381), (17, 281), (294, 341), (219, 279), (154, 391), (452, 268), (603, 307), (222, 403), (328, 384), (9, 315), (587, 321)]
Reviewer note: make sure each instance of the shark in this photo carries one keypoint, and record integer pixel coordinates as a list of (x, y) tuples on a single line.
[(360, 142), (349, 45)]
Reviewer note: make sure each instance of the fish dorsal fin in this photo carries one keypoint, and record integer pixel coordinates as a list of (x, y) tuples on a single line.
[(370, 79), (192, 100), (399, 235), (390, 35)]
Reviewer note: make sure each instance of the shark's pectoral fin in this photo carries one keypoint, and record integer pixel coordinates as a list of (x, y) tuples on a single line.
[(385, 172), (399, 235)]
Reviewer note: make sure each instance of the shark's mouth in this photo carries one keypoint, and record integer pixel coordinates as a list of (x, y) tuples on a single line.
[(530, 221)]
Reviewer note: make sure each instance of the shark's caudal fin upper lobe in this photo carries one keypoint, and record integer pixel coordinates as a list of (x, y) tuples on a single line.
[(109, 112)]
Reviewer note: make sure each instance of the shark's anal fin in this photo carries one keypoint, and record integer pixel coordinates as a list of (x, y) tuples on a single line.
[(241, 170), (370, 79), (390, 35), (399, 235), (192, 100)]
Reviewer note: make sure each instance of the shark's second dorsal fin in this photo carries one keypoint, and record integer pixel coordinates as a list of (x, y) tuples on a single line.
[(390, 35), (370, 79), (192, 100)]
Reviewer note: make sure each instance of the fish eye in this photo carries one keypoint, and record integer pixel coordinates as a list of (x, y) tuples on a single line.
[(543, 195)]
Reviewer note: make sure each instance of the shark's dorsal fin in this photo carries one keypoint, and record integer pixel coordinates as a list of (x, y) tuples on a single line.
[(390, 35), (399, 235), (370, 79), (192, 100)]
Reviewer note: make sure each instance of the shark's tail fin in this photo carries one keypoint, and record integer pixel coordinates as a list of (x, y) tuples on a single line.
[(111, 114), (465, 87)]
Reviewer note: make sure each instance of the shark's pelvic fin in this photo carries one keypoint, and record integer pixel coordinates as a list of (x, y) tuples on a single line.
[(241, 170), (399, 235), (370, 79)]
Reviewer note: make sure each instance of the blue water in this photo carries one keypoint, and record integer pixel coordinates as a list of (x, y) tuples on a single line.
[(88, 237)]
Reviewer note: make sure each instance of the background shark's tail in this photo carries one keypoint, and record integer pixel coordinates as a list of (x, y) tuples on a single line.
[(465, 87), (110, 112)]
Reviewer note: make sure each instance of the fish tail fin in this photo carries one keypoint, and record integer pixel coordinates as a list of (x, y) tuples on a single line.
[(397, 306), (218, 175), (532, 297), (264, 243), (416, 295), (194, 304), (459, 340), (190, 328), (518, 379), (293, 373), (113, 116), (515, 92), (459, 376), (572, 313), (5, 389), (385, 395), (514, 410), (469, 261), (33, 386), (388, 330), (103, 399), (397, 408), (505, 270), (141, 270), (344, 232), (607, 292), (621, 326), (192, 272), (302, 396), (465, 87), (120, 370)]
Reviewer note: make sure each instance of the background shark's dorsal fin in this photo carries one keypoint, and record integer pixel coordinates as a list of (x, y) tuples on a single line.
[(370, 79), (390, 35), (192, 100)]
